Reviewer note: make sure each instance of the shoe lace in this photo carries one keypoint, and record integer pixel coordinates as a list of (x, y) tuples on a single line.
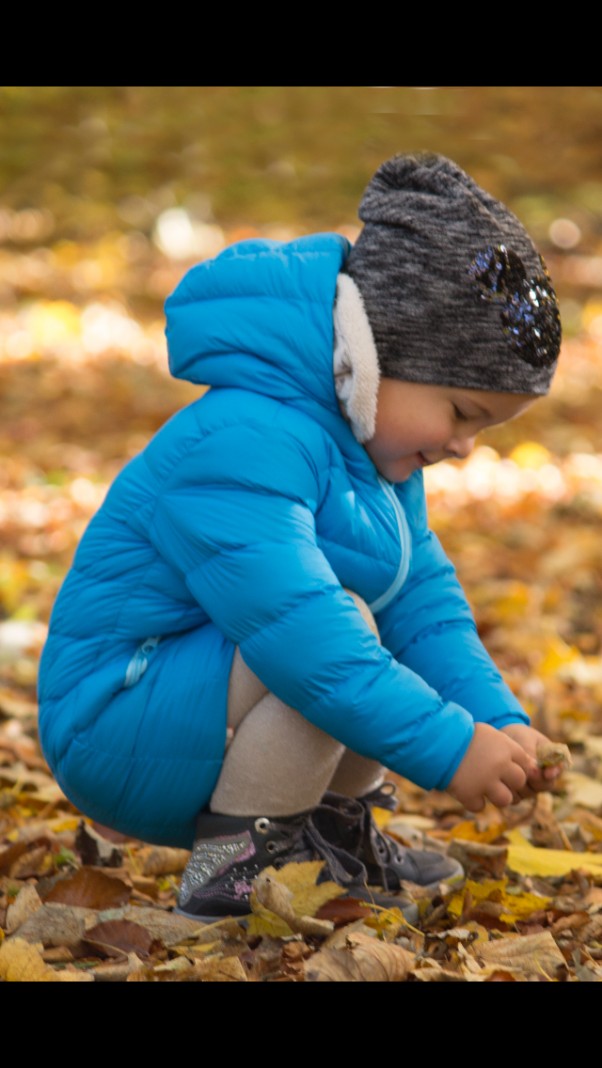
[(303, 840)]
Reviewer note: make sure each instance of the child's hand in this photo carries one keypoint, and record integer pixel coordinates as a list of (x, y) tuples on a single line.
[(495, 768), (532, 741)]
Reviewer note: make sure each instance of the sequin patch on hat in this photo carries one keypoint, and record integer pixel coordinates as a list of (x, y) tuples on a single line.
[(529, 313)]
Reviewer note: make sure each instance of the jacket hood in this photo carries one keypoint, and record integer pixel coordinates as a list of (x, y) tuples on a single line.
[(259, 316)]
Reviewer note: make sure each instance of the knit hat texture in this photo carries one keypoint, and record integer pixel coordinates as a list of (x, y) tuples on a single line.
[(454, 289)]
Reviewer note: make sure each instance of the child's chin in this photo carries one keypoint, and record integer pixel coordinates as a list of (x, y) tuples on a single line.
[(399, 472)]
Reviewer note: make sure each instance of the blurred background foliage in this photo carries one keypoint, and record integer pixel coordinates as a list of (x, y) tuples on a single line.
[(108, 195)]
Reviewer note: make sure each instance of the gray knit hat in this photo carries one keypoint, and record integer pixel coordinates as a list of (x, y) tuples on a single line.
[(454, 289)]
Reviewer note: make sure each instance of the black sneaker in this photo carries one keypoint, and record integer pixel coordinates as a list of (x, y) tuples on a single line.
[(230, 851), (349, 823)]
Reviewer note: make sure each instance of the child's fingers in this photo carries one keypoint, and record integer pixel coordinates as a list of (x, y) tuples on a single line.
[(551, 773)]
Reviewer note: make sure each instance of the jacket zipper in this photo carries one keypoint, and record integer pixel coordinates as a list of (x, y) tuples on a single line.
[(139, 662), (405, 542)]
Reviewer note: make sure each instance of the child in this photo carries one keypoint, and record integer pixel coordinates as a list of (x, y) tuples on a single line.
[(264, 569)]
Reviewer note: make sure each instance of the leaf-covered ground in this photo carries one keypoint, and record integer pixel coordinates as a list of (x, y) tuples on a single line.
[(84, 384)]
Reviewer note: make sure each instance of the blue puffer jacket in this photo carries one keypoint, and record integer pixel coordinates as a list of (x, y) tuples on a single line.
[(240, 524)]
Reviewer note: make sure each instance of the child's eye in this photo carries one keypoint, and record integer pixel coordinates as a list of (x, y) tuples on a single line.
[(459, 414)]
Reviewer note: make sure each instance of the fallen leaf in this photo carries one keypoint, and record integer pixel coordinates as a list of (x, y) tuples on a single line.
[(535, 954), (162, 860), (169, 927), (222, 970), (55, 925), (21, 962), (432, 972), (278, 898), (94, 849), (25, 904), (89, 888), (36, 861), (122, 936), (74, 975), (478, 857), (117, 971), (10, 855), (362, 959), (467, 830), (343, 910), (529, 860), (307, 897)]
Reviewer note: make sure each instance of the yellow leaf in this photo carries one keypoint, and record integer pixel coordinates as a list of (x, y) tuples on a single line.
[(306, 899), (529, 860), (381, 816), (521, 906), (557, 655), (278, 899), (515, 906), (467, 831), (487, 890), (21, 962)]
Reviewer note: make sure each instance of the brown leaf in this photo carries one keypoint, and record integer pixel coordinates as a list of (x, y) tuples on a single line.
[(479, 857), (117, 971), (343, 910), (162, 860), (35, 862), (89, 888), (535, 954), (26, 903), (55, 925), (122, 936), (171, 928), (432, 972), (363, 959), (10, 855), (216, 970), (94, 849)]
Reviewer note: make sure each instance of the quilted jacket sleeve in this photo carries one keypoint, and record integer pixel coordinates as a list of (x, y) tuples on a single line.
[(243, 534), (431, 629)]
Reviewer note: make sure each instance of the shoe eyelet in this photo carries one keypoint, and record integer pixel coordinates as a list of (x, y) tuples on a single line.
[(270, 847), (262, 825)]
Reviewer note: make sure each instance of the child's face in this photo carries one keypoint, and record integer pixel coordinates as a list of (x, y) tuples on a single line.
[(419, 424)]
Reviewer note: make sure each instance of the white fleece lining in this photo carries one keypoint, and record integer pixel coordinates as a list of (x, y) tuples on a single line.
[(356, 370)]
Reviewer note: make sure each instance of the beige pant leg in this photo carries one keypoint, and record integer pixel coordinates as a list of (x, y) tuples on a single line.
[(278, 763)]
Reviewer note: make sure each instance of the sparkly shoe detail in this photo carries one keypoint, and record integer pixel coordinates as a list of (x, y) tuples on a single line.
[(230, 851)]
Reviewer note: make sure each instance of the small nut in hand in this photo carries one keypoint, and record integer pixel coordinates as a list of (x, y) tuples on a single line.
[(553, 754)]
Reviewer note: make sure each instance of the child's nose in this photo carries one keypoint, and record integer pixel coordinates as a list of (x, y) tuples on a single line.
[(461, 447)]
